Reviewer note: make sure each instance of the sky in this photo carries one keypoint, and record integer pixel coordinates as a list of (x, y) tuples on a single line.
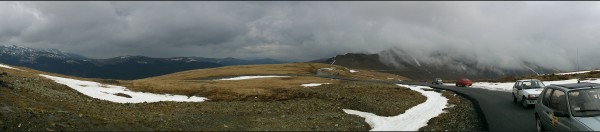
[(553, 34)]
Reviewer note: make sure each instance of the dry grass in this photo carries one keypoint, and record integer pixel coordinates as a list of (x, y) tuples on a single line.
[(270, 69), (263, 88), (273, 69), (202, 82)]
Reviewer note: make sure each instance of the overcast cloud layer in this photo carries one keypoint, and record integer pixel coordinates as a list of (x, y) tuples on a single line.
[(494, 33)]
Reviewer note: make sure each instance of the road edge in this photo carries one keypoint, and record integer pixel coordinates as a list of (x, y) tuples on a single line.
[(478, 110)]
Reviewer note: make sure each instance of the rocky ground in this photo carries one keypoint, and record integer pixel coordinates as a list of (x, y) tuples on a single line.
[(459, 116), (38, 104)]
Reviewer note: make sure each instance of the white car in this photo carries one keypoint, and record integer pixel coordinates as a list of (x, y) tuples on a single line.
[(526, 91)]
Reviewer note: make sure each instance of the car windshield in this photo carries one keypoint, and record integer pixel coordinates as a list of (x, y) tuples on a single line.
[(585, 103), (532, 84)]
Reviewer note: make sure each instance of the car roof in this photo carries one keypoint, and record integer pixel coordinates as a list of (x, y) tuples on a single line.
[(528, 80), (578, 85)]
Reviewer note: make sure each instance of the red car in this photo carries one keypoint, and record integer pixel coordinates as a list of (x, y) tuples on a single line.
[(464, 82)]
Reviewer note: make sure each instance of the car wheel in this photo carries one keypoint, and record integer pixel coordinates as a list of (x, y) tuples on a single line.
[(514, 99), (524, 103), (538, 124)]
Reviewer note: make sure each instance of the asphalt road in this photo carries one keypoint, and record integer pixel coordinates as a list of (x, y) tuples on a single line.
[(500, 113)]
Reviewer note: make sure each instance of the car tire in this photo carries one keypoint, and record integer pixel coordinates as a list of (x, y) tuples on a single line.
[(538, 124), (524, 102), (514, 98)]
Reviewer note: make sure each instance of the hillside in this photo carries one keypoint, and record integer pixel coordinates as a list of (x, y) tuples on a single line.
[(238, 98)]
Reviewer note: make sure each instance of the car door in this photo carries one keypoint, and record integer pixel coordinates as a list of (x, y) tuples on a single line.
[(545, 117), (516, 90), (558, 103)]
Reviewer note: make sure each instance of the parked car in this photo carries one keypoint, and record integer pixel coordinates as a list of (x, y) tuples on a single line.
[(527, 91), (437, 81), (464, 82), (569, 107)]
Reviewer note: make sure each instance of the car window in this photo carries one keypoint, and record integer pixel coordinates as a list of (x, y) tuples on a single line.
[(585, 102), (537, 84), (526, 84), (546, 97), (558, 101), (518, 84)]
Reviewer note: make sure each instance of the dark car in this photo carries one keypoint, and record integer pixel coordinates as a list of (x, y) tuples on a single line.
[(437, 81), (464, 82), (569, 107)]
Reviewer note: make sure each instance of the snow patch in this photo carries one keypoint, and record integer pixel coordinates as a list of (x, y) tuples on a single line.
[(250, 77), (419, 64), (111, 92), (576, 72), (313, 84), (353, 71), (9, 67), (507, 86), (328, 68), (411, 120)]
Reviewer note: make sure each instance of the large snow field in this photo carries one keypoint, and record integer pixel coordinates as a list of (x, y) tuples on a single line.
[(107, 92), (249, 77), (413, 118)]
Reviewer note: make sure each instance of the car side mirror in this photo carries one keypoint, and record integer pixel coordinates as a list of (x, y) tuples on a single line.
[(560, 114)]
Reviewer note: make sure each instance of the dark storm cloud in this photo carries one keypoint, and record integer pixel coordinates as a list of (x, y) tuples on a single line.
[(493, 33)]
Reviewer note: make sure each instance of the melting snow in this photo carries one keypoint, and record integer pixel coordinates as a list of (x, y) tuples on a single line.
[(419, 64), (9, 67), (313, 84), (507, 86), (411, 120), (577, 72), (250, 77), (107, 92), (328, 68)]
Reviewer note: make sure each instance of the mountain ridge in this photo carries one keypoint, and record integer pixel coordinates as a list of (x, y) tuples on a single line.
[(120, 67)]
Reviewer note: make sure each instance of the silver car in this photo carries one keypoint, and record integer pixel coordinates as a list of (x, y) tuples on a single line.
[(569, 107)]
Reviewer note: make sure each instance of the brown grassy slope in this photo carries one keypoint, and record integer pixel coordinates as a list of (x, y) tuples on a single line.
[(270, 69), (203, 82), (30, 102)]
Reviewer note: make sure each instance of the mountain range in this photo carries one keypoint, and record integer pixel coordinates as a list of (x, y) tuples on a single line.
[(121, 67)]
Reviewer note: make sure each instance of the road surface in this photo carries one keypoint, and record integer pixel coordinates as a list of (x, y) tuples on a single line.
[(500, 113)]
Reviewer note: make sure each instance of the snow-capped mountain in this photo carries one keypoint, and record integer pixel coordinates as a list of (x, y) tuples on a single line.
[(121, 67), (29, 55)]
